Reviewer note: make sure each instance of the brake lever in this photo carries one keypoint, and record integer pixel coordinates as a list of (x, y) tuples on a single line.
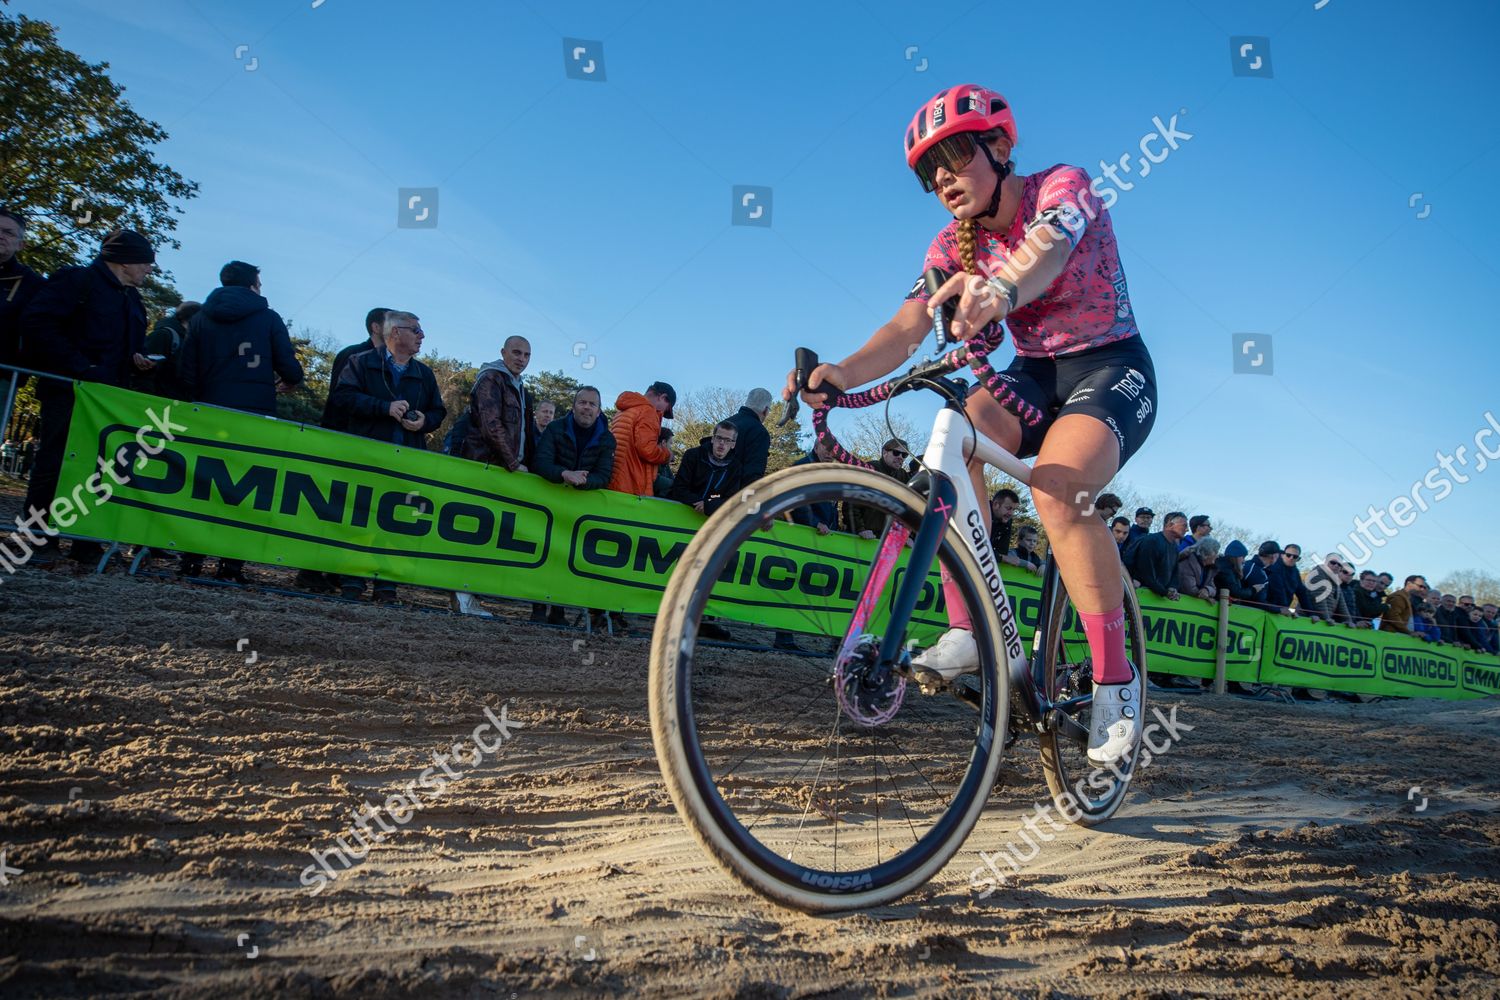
[(934, 278)]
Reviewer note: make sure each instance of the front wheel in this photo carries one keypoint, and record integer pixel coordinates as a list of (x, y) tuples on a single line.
[(1083, 792), (825, 781)]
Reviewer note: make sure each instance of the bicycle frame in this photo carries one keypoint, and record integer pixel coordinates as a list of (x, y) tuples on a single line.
[(952, 497)]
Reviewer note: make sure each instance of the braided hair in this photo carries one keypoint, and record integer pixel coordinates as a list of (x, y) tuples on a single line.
[(968, 228)]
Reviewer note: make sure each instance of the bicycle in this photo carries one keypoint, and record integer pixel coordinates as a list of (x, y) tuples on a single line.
[(753, 818)]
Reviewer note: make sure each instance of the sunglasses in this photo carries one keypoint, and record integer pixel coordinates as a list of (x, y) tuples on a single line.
[(1293, 556), (897, 453), (952, 154)]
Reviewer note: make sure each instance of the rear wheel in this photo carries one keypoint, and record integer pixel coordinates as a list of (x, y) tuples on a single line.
[(825, 781), (1083, 792)]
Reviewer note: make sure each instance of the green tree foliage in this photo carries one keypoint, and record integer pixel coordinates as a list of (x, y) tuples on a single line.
[(75, 157), (557, 388), (304, 404), (455, 380)]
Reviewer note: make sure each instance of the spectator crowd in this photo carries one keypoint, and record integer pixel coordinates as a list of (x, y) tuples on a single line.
[(233, 350)]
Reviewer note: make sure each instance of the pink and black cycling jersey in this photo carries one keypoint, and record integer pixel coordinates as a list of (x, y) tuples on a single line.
[(1088, 305)]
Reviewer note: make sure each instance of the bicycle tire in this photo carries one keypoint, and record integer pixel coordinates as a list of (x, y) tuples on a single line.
[(686, 771)]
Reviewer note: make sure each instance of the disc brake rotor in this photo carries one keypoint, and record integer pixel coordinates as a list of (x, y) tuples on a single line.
[(869, 694)]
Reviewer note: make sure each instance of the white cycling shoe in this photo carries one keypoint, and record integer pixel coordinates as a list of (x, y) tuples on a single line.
[(954, 654), (1115, 720)]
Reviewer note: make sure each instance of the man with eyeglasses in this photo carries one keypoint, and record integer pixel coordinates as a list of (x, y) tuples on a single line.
[(868, 522), (1401, 606), (1286, 581), (1200, 526), (709, 473), (1325, 588), (390, 396)]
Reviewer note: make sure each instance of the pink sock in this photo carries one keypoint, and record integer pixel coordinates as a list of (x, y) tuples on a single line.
[(1106, 635), (958, 611)]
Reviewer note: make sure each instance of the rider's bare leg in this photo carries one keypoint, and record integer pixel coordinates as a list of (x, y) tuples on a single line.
[(1078, 457)]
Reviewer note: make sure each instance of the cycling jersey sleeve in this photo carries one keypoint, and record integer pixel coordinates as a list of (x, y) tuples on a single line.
[(1066, 204)]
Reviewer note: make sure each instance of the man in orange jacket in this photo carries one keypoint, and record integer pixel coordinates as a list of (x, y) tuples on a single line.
[(640, 442), (640, 447)]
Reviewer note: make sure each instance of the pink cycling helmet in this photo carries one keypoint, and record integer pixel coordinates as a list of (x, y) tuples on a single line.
[(965, 108)]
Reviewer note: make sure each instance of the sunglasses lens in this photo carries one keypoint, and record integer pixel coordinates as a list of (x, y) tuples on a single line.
[(952, 154)]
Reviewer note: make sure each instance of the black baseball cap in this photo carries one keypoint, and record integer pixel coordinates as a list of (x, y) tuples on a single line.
[(1144, 510), (1269, 548), (663, 389)]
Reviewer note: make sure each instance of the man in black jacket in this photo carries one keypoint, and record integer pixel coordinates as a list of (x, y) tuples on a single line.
[(235, 351), (387, 394), (708, 474), (163, 345), (864, 520), (1153, 560), (390, 396), (18, 285), (1286, 581), (333, 418), (753, 442), (237, 347), (85, 323), (577, 450)]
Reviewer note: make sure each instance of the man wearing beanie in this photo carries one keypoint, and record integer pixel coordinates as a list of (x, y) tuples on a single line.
[(86, 323)]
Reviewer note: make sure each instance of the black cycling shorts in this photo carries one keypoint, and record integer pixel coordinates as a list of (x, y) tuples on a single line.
[(1115, 383)]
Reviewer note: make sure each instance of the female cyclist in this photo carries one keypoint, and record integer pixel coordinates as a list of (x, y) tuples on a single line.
[(1037, 252)]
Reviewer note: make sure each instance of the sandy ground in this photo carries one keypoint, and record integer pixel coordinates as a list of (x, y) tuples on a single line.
[(160, 797)]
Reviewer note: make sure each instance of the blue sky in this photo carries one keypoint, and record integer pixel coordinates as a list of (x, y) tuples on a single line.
[(598, 214)]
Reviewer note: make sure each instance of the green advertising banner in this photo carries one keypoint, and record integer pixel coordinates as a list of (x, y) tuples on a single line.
[(196, 478), (1311, 654)]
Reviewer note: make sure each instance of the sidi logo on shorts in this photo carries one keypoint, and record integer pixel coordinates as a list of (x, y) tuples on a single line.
[(295, 496)]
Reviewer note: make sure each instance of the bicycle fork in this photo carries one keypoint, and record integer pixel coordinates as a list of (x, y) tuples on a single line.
[(941, 498)]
